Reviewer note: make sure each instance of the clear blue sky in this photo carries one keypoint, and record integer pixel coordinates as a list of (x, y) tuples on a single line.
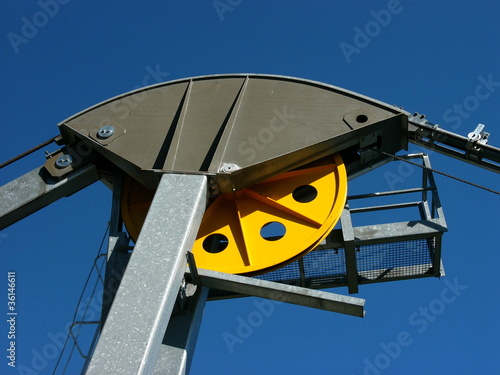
[(424, 56)]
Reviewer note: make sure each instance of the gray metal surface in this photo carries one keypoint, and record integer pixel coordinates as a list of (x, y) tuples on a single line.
[(468, 149), (392, 232), (282, 292), (36, 189), (131, 337), (348, 239), (434, 212), (177, 348), (261, 125)]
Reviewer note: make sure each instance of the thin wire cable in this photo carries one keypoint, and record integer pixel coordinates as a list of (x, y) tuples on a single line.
[(30, 151), (77, 305), (439, 172)]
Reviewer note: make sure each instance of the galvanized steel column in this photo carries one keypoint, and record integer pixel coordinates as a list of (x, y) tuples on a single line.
[(179, 342), (133, 332)]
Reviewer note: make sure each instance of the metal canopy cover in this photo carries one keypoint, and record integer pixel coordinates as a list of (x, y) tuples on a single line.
[(242, 128)]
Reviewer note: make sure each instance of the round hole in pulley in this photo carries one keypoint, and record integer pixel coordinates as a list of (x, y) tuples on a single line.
[(273, 231), (305, 193), (215, 243)]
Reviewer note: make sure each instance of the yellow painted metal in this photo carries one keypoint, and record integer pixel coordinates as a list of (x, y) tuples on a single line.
[(135, 204), (262, 227), (233, 239)]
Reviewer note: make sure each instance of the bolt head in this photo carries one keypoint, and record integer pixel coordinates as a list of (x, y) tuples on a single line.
[(64, 161), (474, 136), (229, 167), (106, 131)]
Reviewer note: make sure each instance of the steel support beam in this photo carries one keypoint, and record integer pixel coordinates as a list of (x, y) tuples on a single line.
[(36, 189), (349, 250), (136, 323), (454, 145), (282, 292), (437, 210)]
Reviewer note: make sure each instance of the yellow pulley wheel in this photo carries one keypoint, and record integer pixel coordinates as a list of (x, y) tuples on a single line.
[(264, 226)]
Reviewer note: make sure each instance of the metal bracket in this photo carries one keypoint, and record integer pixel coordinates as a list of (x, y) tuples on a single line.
[(278, 291), (418, 118), (478, 135), (474, 140), (281, 292), (472, 149), (367, 156)]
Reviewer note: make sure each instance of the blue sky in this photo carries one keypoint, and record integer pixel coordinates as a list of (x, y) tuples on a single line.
[(59, 58)]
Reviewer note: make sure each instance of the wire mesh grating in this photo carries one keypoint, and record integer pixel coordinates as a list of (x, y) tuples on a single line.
[(326, 268), (408, 258)]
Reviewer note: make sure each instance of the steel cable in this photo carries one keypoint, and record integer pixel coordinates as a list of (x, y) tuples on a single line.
[(439, 172)]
